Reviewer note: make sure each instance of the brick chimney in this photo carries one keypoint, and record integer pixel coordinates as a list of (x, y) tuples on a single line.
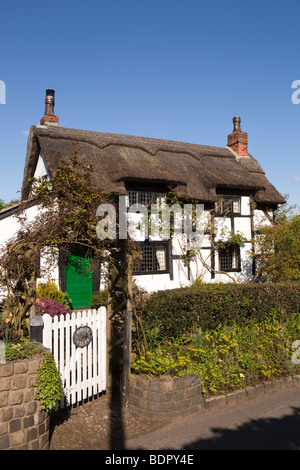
[(49, 119), (238, 140)]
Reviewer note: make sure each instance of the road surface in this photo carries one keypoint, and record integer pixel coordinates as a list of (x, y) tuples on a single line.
[(268, 422)]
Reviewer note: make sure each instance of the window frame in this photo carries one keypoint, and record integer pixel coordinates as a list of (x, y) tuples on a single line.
[(142, 196), (154, 244), (226, 198), (228, 250), (147, 189)]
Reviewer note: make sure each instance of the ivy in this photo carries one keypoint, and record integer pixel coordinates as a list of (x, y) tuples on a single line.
[(48, 385)]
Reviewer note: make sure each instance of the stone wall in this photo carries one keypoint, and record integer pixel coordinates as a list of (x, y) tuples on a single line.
[(164, 397), (23, 424)]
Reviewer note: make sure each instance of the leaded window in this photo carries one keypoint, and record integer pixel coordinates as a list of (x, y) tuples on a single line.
[(145, 197), (154, 259), (229, 258), (229, 205)]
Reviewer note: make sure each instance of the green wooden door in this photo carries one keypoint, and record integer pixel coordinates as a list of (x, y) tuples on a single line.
[(79, 280)]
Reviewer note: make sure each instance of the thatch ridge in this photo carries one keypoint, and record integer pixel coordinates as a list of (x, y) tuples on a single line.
[(197, 171)]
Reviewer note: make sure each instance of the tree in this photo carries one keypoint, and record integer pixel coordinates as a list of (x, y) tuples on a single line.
[(66, 217), (278, 248)]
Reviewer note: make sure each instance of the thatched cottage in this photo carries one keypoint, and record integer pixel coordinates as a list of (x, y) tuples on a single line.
[(143, 169)]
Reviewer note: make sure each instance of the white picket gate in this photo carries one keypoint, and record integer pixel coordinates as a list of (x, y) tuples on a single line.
[(83, 369)]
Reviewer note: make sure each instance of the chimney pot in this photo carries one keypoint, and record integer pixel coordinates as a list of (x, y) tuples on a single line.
[(49, 118), (49, 102), (238, 140), (236, 123)]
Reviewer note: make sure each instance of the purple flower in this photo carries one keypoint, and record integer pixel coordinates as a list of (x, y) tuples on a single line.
[(7, 333), (50, 306)]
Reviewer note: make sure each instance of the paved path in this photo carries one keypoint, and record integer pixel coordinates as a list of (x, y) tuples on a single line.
[(268, 422)]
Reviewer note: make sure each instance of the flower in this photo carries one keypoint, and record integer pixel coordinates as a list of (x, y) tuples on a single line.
[(166, 341), (51, 306)]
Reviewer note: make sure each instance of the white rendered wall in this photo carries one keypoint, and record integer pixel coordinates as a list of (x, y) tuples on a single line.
[(10, 225), (153, 282)]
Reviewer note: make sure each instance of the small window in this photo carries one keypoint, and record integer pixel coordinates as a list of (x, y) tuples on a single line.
[(145, 198), (230, 258), (229, 205), (154, 259)]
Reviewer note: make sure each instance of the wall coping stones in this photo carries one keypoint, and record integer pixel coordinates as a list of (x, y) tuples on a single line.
[(251, 392), (165, 397)]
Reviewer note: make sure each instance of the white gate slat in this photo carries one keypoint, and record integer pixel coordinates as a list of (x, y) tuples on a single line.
[(73, 361), (102, 348), (67, 360), (83, 370), (94, 345), (55, 338), (89, 351), (84, 364), (78, 362)]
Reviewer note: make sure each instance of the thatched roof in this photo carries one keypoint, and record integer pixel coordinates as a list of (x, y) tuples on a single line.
[(197, 171)]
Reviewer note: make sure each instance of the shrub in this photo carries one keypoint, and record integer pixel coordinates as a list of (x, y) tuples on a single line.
[(183, 311), (228, 358), (48, 385), (49, 290), (7, 334), (99, 299), (50, 306)]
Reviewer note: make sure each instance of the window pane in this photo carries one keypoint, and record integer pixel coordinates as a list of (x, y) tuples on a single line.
[(235, 258), (160, 258), (225, 260), (145, 198), (229, 258), (147, 263), (236, 206), (230, 205), (154, 259), (133, 197)]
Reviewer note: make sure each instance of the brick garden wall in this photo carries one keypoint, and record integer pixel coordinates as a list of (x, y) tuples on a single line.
[(23, 424), (164, 398)]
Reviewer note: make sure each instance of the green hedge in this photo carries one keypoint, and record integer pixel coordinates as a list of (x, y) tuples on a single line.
[(182, 311)]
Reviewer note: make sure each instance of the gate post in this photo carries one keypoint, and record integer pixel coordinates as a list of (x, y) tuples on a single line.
[(36, 326), (126, 356)]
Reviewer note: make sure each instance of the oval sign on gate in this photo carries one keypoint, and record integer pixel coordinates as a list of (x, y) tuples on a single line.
[(82, 336)]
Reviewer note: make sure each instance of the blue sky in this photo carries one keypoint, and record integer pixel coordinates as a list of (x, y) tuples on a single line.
[(171, 69)]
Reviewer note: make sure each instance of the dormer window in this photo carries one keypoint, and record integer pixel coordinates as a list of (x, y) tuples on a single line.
[(229, 205), (145, 197)]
